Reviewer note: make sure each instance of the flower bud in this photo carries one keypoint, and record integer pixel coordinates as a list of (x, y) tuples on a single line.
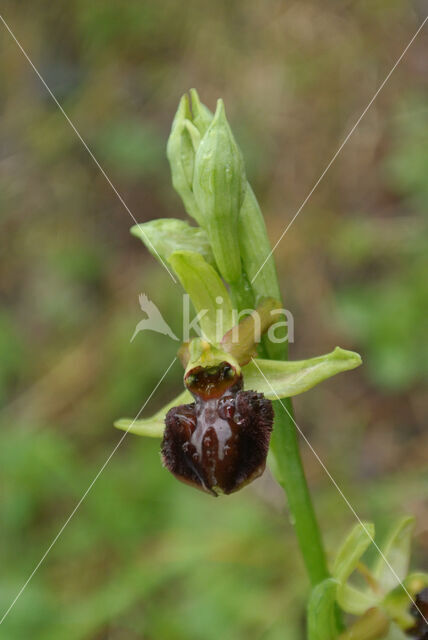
[(219, 187), (182, 144), (219, 443), (202, 116)]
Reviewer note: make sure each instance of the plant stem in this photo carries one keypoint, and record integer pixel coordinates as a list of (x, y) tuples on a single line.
[(291, 476), (287, 463)]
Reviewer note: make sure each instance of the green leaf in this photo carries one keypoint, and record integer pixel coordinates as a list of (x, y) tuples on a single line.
[(351, 550), (154, 426), (207, 292), (283, 379), (322, 611), (166, 235), (397, 553), (356, 601)]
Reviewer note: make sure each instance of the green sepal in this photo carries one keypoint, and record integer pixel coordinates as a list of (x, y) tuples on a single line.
[(219, 186), (322, 611), (353, 547), (356, 601), (154, 426), (284, 379), (397, 552), (166, 235), (207, 293)]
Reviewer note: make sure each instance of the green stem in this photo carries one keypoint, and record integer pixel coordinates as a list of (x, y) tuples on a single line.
[(288, 470), (291, 476)]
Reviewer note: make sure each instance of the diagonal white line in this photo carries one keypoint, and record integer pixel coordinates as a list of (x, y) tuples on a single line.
[(341, 147), (349, 505), (42, 80), (58, 535)]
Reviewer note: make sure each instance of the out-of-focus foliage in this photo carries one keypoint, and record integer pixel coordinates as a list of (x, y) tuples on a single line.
[(145, 557)]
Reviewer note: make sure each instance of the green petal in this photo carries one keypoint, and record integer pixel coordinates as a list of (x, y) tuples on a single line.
[(154, 426), (283, 379), (167, 235), (207, 292), (351, 550), (241, 341), (322, 611), (397, 552)]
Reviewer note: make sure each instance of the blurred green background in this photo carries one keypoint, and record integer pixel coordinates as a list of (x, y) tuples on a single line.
[(144, 556)]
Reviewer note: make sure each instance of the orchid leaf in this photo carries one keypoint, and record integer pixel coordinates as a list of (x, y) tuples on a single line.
[(322, 611), (391, 569), (207, 293), (164, 236), (283, 379), (351, 550), (356, 601), (154, 426)]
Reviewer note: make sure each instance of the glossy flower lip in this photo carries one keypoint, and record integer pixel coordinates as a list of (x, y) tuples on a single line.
[(220, 442)]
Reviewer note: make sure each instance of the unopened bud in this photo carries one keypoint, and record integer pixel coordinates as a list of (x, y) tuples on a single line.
[(182, 144), (202, 116), (219, 187)]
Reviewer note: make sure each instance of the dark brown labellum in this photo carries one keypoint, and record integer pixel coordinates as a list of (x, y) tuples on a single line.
[(219, 443), (420, 630)]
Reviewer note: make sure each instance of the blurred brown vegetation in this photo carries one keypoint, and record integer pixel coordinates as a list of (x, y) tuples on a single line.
[(145, 557)]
